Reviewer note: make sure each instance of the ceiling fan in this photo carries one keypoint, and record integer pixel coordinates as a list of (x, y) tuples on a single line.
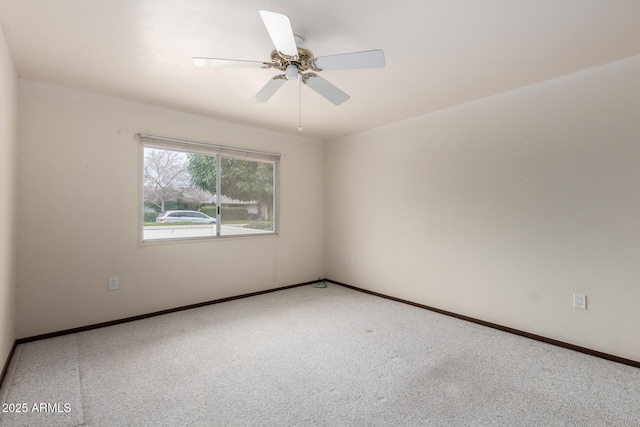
[(297, 61)]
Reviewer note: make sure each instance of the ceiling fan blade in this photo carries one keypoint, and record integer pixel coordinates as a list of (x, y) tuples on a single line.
[(325, 88), (351, 61), (220, 63), (269, 89), (280, 31)]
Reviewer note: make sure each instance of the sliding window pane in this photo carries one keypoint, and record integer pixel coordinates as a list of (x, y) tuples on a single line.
[(246, 197), (178, 194)]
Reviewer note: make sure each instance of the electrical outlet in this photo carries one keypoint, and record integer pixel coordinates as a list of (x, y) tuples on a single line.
[(353, 260), (114, 283), (580, 301)]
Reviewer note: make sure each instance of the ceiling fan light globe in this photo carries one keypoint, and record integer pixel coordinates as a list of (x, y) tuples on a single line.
[(291, 72)]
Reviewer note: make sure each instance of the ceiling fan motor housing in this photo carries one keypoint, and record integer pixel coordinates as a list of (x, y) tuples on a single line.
[(303, 61)]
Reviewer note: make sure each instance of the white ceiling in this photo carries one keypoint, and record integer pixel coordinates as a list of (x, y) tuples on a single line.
[(439, 53)]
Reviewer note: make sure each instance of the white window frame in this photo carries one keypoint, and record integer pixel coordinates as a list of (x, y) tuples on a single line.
[(213, 150)]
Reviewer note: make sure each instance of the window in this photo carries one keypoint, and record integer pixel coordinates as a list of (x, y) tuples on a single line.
[(194, 190)]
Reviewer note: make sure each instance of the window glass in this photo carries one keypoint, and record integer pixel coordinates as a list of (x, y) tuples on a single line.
[(247, 196), (210, 194)]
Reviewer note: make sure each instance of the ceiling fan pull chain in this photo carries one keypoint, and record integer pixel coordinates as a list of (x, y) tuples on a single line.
[(299, 105)]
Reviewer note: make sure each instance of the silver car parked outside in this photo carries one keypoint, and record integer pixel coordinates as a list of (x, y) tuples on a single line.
[(185, 216)]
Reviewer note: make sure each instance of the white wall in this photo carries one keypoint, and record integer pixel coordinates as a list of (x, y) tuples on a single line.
[(502, 208), (8, 173), (78, 199)]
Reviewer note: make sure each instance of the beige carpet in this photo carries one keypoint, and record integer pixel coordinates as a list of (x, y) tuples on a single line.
[(306, 357)]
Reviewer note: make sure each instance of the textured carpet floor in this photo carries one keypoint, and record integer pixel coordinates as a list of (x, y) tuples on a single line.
[(308, 356)]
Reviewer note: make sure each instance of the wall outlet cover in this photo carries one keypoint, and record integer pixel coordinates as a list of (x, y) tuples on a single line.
[(114, 283), (580, 301)]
